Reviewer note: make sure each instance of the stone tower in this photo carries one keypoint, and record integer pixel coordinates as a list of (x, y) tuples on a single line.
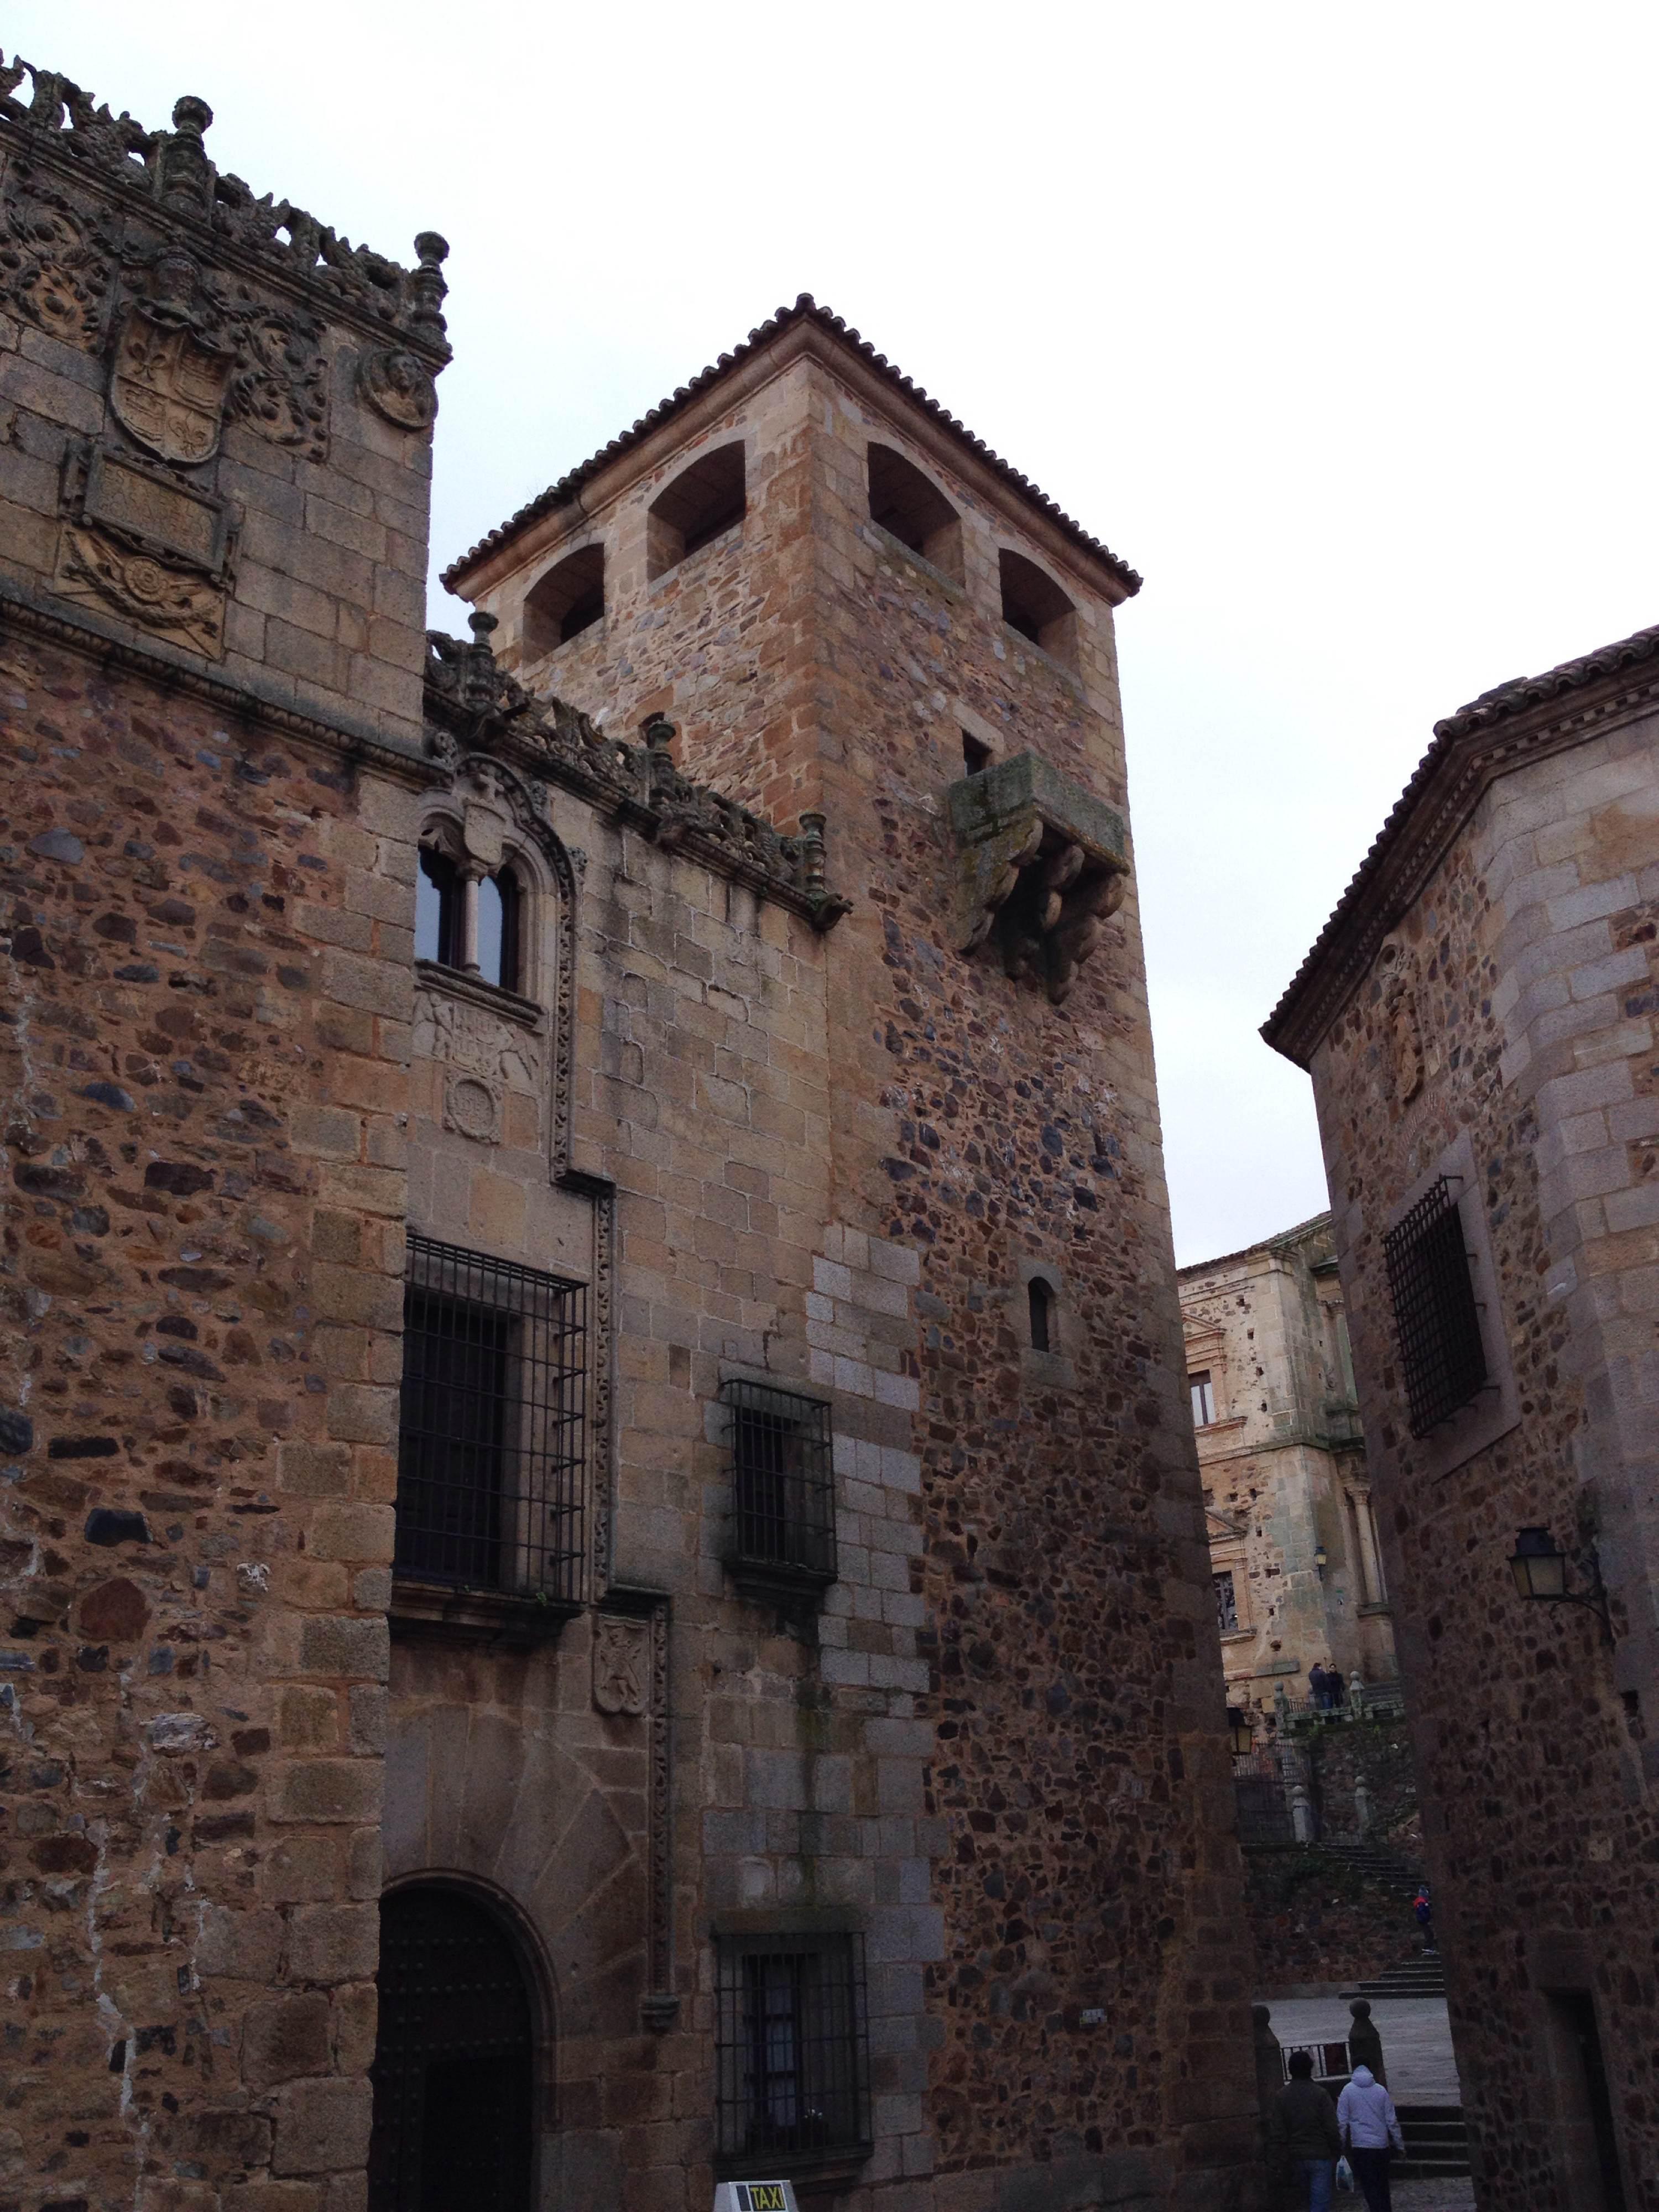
[(994, 1740)]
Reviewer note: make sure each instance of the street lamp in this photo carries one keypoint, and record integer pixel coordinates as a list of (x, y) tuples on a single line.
[(1321, 1560), (1540, 1571)]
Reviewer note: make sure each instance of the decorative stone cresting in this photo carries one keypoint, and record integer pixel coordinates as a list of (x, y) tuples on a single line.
[(474, 706), (59, 256), (1040, 864)]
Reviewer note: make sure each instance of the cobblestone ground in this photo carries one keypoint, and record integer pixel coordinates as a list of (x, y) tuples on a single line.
[(1426, 2197)]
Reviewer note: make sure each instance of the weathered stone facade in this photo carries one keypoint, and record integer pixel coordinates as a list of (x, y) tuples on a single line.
[(1293, 1544), (1477, 1018), (810, 1099)]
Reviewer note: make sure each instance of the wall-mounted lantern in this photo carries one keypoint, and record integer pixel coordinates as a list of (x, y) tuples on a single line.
[(1540, 1571), (1321, 1560), (1240, 1729)]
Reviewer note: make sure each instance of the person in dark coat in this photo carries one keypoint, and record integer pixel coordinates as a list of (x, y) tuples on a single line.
[(1364, 2043), (1304, 2140), (1319, 1686)]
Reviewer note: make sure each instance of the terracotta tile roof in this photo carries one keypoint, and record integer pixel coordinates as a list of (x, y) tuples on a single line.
[(1502, 704), (806, 308)]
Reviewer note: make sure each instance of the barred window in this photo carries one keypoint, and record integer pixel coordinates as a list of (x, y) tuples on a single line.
[(793, 2052), (490, 1431), (1226, 1603), (783, 1496), (1442, 1362)]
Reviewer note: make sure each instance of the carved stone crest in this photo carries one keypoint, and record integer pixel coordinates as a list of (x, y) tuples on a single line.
[(473, 1107), (397, 384), (97, 569), (167, 388), (622, 1665)]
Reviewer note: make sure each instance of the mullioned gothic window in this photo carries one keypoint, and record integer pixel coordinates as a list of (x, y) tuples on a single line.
[(473, 924)]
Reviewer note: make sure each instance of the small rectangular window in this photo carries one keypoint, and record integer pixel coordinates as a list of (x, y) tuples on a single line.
[(490, 1424), (1442, 1362), (1203, 1398), (1226, 1603), (792, 2052), (783, 1502)]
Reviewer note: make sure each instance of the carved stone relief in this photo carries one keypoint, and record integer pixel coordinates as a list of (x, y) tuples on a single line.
[(622, 1664), (56, 258), (397, 384), (96, 568), (488, 1056), (1397, 969)]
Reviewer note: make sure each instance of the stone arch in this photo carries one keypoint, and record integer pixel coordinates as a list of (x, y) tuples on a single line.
[(464, 2067)]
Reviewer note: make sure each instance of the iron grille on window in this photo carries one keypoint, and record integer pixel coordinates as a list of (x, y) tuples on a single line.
[(490, 1443), (783, 1495), (793, 2052), (1434, 1310)]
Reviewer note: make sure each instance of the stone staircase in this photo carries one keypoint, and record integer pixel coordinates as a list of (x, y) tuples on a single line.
[(1436, 2143), (1376, 1863), (1420, 1976)]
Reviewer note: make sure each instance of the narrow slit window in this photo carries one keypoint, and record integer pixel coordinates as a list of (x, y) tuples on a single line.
[(1040, 1300), (490, 1445)]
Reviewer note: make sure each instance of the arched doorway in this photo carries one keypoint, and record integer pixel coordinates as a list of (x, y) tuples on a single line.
[(453, 2059)]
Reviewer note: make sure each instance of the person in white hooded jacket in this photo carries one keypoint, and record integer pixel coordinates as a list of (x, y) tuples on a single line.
[(1371, 2135)]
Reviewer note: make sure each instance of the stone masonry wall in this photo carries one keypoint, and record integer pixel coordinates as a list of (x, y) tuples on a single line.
[(205, 1039), (1530, 952)]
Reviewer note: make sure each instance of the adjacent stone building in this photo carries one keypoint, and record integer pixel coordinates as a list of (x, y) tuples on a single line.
[(1294, 1555), (606, 1573), (1478, 1019)]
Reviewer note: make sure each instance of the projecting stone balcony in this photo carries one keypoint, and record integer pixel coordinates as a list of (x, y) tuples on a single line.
[(1040, 864)]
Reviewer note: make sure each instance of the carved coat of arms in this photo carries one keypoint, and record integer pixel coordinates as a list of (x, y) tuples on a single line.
[(621, 1665), (168, 387)]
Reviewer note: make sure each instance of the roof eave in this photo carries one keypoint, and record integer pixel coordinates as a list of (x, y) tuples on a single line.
[(710, 395)]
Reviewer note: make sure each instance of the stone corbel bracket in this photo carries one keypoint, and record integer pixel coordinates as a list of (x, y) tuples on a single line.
[(1040, 864)]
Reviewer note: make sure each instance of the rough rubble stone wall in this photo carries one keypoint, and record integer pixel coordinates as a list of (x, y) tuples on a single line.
[(205, 1041), (1021, 1710), (1532, 950)]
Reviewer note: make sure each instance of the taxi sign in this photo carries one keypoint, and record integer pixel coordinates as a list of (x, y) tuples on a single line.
[(755, 2196)]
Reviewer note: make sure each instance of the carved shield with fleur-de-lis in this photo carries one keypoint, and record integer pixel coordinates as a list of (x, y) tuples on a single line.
[(167, 388)]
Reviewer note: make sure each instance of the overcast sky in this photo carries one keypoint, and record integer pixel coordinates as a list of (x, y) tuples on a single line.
[(1335, 322)]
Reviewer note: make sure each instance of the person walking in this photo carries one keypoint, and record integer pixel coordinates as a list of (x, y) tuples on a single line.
[(1303, 2139), (1423, 1912), (1370, 2129)]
